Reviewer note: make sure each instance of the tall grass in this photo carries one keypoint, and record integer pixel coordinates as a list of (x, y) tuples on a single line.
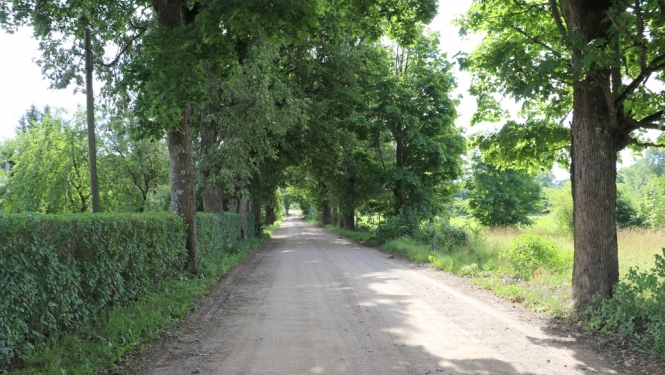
[(481, 258), (637, 246)]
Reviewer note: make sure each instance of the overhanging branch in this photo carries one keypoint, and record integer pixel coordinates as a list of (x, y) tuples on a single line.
[(648, 122), (536, 41), (554, 6), (125, 48), (635, 142), (656, 65)]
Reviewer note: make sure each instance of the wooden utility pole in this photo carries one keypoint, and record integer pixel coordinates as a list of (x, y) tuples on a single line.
[(92, 149)]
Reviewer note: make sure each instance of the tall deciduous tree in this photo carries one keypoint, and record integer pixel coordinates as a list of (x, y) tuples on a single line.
[(50, 161), (597, 59), (502, 197), (162, 45), (416, 114)]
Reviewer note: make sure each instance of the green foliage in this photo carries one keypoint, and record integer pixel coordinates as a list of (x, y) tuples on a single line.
[(530, 252), (406, 224), (103, 345), (50, 168), (502, 197), (560, 204), (626, 214), (415, 116), (49, 172), (409, 248), (652, 208), (636, 310), (57, 271), (526, 146), (442, 236)]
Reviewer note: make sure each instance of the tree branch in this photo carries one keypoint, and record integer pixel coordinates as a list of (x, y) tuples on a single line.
[(634, 141), (657, 64), (554, 6), (645, 123), (531, 38), (125, 48)]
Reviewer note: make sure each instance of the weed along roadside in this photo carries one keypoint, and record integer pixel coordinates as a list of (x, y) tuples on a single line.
[(98, 288), (533, 267)]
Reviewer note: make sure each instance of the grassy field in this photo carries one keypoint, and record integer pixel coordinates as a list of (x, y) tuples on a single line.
[(637, 246), (483, 258)]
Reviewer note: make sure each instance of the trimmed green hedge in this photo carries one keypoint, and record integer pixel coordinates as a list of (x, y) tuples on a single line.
[(59, 270)]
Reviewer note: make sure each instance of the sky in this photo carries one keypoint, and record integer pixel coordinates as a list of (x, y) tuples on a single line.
[(22, 83)]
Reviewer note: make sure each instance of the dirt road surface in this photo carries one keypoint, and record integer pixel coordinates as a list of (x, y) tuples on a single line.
[(311, 302)]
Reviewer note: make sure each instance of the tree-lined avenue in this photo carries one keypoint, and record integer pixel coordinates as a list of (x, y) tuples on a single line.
[(311, 302)]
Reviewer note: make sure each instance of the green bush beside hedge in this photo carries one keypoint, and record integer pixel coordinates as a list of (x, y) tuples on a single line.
[(59, 270)]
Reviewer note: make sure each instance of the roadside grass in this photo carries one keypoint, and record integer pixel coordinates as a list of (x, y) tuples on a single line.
[(360, 236), (481, 259), (105, 345)]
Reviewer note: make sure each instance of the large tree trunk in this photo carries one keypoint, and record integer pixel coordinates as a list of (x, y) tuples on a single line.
[(349, 221), (213, 200), (334, 215), (242, 206), (398, 189), (234, 204), (183, 182), (596, 268), (256, 210), (594, 137), (181, 152), (327, 212), (270, 215)]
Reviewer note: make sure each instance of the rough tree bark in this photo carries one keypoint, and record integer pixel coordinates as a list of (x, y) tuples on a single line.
[(183, 182), (349, 221), (242, 207), (596, 137), (255, 207), (233, 204), (327, 211), (336, 220), (270, 215), (181, 152)]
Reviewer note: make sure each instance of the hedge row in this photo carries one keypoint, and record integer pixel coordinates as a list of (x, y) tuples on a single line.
[(57, 271)]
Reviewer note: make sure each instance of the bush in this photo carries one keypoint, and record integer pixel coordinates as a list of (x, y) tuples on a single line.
[(500, 198), (529, 252), (636, 311), (406, 224), (561, 202), (56, 271), (442, 237)]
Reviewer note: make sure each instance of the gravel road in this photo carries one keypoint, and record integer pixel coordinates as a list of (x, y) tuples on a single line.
[(311, 302)]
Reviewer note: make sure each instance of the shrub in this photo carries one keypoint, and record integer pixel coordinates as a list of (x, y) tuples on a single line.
[(529, 252), (561, 202), (636, 311), (502, 197), (405, 224), (442, 236), (57, 270)]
